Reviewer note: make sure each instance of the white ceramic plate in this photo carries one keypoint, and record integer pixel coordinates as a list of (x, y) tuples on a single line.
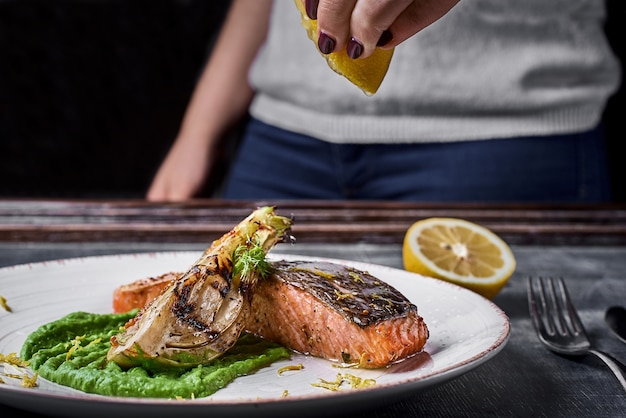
[(465, 331)]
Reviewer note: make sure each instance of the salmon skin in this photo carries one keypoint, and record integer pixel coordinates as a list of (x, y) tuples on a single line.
[(338, 313), (320, 308)]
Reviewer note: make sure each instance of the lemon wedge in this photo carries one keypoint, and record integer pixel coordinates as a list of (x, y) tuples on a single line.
[(460, 252), (365, 73)]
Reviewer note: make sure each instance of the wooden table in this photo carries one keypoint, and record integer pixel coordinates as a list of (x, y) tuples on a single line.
[(584, 244), (343, 222)]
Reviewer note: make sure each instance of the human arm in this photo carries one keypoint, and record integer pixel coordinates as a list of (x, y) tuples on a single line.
[(220, 99), (366, 20)]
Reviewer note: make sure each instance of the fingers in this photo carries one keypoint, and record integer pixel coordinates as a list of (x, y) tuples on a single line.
[(370, 19), (335, 16), (417, 16), (182, 174), (360, 26)]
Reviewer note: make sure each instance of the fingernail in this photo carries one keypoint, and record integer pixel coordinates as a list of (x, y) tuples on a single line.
[(385, 38), (311, 8), (354, 48), (325, 43)]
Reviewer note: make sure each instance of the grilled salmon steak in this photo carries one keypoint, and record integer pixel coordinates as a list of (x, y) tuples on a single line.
[(323, 309), (336, 312), (140, 292)]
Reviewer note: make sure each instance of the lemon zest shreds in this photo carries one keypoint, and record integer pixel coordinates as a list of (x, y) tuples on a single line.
[(355, 382), (29, 381), (94, 342), (16, 366), (356, 277), (13, 359), (330, 385), (341, 296), (4, 304), (76, 345), (284, 369)]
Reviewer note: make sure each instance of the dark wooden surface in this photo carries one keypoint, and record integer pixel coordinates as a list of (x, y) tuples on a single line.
[(202, 221)]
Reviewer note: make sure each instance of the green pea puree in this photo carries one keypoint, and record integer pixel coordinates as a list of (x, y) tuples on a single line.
[(71, 351)]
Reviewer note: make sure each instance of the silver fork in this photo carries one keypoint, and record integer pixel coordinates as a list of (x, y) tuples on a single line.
[(558, 326)]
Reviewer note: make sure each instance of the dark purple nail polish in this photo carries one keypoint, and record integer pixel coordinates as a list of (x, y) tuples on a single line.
[(325, 43), (385, 38), (354, 48), (311, 8)]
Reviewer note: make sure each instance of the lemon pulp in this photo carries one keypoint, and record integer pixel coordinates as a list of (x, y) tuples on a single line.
[(459, 252)]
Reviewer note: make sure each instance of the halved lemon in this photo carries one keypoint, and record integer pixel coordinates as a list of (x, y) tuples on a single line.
[(365, 73), (460, 252)]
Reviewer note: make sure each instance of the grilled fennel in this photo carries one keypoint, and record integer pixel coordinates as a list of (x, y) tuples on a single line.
[(201, 314)]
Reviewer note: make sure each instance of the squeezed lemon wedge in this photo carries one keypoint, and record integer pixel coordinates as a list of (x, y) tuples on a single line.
[(365, 73)]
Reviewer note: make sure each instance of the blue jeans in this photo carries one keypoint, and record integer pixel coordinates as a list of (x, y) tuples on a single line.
[(272, 163)]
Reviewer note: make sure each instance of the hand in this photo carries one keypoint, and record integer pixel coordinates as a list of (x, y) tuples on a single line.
[(361, 25), (182, 174)]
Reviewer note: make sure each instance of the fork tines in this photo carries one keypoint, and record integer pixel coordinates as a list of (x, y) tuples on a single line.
[(551, 307), (558, 326)]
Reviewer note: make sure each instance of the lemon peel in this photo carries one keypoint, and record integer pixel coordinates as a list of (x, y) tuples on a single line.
[(460, 252), (366, 73)]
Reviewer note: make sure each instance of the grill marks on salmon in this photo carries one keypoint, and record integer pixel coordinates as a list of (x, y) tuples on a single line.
[(322, 309), (336, 312)]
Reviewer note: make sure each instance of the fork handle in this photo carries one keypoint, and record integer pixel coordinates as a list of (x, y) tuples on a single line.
[(617, 367)]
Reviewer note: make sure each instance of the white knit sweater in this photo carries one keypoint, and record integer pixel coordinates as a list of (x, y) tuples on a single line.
[(489, 68)]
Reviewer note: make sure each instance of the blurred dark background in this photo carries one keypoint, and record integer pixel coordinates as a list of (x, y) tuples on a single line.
[(92, 92)]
